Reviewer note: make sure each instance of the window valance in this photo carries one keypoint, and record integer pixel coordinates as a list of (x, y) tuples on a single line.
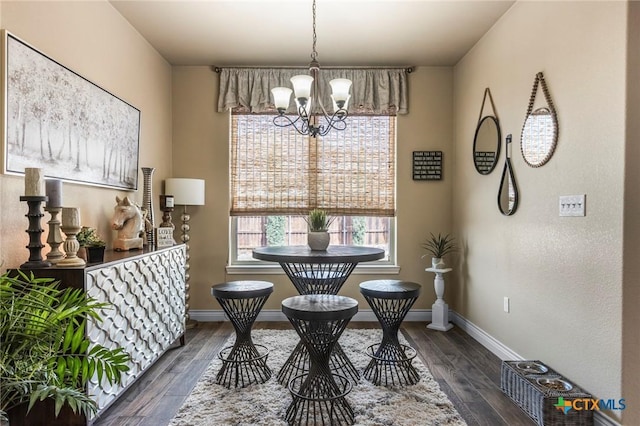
[(374, 90)]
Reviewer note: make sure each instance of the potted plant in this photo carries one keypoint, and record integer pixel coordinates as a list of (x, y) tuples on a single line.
[(46, 358), (438, 247), (318, 235), (93, 245)]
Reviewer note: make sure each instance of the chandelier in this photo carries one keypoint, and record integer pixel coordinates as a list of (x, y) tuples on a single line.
[(305, 88)]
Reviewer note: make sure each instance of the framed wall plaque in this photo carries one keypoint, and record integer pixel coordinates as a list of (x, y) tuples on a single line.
[(164, 237), (427, 165)]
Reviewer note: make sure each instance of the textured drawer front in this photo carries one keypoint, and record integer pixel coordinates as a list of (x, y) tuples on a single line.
[(147, 314)]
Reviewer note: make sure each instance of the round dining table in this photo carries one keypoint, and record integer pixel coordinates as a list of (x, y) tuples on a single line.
[(318, 272)]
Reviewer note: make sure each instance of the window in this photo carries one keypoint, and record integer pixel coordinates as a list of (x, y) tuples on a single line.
[(278, 175)]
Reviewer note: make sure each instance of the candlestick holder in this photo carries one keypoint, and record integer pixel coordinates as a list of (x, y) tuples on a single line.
[(35, 232), (54, 239), (70, 227), (166, 205)]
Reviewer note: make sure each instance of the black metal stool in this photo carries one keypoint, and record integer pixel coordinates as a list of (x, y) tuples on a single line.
[(319, 395), (242, 363), (322, 278), (390, 361)]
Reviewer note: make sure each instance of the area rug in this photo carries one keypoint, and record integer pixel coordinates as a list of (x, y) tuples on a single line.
[(266, 404)]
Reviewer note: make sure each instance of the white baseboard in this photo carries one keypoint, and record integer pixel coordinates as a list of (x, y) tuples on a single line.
[(420, 315), (505, 353), (367, 315), (485, 339)]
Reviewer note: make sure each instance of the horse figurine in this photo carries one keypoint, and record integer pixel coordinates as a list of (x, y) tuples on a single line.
[(129, 221)]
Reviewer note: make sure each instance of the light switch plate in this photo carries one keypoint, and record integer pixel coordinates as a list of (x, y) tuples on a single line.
[(573, 205)]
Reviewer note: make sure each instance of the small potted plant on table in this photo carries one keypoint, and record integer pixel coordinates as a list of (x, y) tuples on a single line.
[(93, 245), (438, 247), (318, 235)]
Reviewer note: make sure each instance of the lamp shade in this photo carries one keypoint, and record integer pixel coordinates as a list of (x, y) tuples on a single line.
[(186, 192), (281, 97), (302, 85), (340, 88)]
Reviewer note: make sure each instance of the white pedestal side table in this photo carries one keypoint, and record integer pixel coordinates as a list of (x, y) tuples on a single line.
[(439, 310)]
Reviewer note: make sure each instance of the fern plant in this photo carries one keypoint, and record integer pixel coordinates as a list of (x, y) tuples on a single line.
[(44, 352)]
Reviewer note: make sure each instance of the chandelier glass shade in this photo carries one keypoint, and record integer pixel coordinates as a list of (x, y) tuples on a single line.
[(305, 87)]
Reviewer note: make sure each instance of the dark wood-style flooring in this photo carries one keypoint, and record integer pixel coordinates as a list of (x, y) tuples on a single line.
[(467, 372)]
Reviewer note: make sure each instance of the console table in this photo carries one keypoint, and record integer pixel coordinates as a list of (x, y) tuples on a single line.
[(147, 291)]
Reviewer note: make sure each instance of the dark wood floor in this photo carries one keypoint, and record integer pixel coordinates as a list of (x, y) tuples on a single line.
[(467, 372)]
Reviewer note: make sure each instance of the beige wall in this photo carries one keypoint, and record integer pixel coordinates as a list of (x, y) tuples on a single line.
[(563, 275), (631, 271), (94, 40), (201, 150)]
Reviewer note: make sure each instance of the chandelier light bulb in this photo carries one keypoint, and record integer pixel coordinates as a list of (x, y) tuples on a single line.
[(281, 97), (340, 88), (340, 105), (302, 86)]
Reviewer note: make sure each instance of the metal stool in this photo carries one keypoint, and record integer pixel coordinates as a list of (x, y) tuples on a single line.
[(319, 395), (242, 363), (390, 361)]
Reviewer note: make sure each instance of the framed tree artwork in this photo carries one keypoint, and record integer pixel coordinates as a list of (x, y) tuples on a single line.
[(59, 121)]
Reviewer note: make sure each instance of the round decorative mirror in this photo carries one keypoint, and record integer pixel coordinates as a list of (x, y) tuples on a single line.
[(486, 145), (508, 191), (540, 130), (539, 137)]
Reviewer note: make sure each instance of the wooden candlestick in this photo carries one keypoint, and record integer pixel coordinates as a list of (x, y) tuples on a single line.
[(167, 205), (35, 232), (71, 226), (54, 239)]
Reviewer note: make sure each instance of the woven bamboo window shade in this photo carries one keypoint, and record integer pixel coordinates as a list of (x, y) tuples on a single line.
[(277, 171)]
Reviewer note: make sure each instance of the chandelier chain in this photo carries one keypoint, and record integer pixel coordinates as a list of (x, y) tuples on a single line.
[(314, 53)]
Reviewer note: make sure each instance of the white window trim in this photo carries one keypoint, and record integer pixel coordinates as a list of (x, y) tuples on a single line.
[(259, 267)]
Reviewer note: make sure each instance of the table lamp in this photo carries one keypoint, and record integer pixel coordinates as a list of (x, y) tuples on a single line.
[(186, 192)]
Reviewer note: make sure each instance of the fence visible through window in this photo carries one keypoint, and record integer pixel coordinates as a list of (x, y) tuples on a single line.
[(259, 231)]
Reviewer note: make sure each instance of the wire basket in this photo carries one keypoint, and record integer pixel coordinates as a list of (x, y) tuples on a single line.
[(536, 389)]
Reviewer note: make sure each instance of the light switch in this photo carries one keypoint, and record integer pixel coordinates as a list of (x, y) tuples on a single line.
[(572, 205)]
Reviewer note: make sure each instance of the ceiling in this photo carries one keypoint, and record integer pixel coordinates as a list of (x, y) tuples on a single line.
[(279, 32)]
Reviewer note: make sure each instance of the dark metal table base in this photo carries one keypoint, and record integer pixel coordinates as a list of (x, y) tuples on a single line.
[(242, 363), (318, 278), (298, 363), (319, 396), (391, 365), (391, 362)]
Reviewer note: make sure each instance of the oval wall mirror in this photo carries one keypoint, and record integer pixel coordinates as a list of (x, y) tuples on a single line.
[(486, 141), (508, 191), (486, 145), (540, 130)]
